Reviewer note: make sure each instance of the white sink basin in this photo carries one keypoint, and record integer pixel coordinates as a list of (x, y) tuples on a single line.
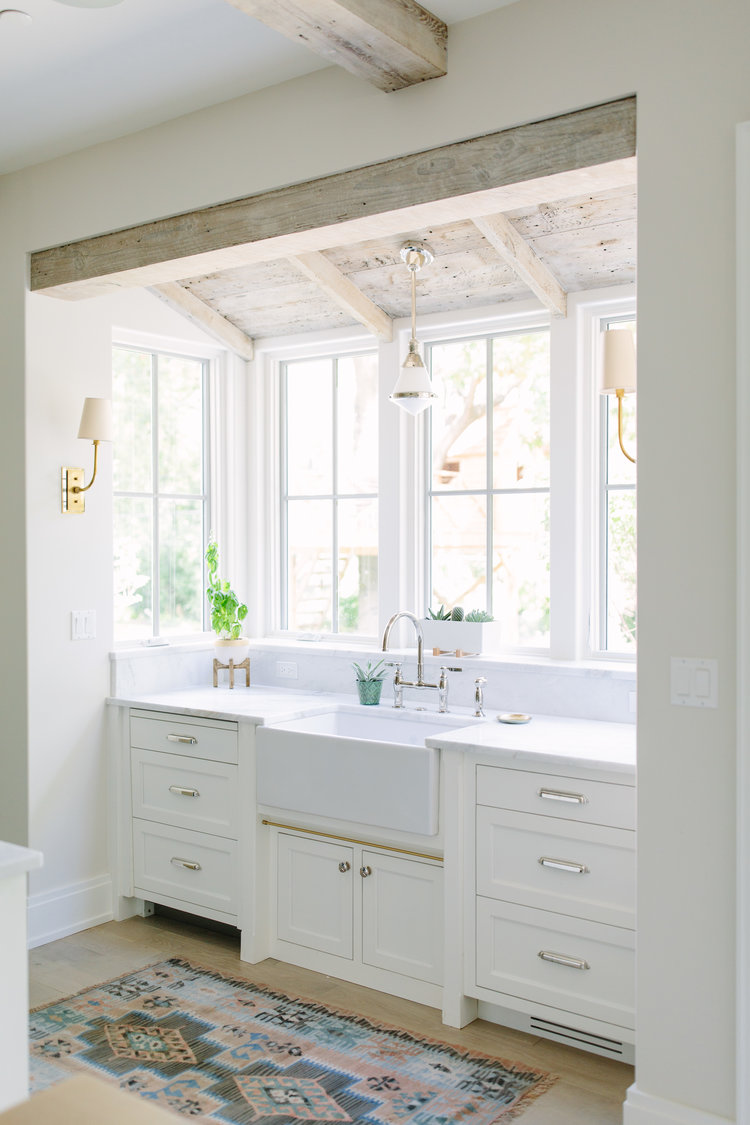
[(367, 766)]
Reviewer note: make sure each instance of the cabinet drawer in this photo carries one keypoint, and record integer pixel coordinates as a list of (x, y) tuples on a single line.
[(185, 792), (585, 870), (570, 798), (198, 869), (587, 968), (174, 734)]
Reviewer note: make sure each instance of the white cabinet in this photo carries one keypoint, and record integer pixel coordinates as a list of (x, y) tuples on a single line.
[(552, 926), (185, 813), (359, 912)]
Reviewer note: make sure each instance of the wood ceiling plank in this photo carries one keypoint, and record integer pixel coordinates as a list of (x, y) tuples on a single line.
[(345, 294), (592, 149), (187, 304), (390, 43), (516, 252)]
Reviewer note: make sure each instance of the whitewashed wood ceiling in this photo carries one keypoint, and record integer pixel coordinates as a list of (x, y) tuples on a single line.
[(585, 242)]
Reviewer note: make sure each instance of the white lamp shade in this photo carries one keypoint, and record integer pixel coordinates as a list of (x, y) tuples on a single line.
[(618, 362), (413, 390), (96, 419)]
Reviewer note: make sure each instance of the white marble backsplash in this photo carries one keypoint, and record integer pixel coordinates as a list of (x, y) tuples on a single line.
[(580, 691)]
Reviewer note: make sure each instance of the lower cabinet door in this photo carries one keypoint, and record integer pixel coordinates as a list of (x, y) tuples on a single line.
[(197, 869), (402, 915), (314, 905), (568, 963)]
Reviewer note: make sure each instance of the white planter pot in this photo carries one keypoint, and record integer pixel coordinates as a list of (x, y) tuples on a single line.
[(226, 650), (465, 637)]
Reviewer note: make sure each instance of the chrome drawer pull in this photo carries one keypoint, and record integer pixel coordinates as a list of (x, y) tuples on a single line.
[(181, 791), (186, 739), (561, 959), (564, 865), (188, 863), (561, 795)]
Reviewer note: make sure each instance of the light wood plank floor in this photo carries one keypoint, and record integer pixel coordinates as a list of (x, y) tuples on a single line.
[(589, 1089)]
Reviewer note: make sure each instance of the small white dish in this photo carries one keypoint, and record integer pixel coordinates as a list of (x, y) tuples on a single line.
[(513, 717)]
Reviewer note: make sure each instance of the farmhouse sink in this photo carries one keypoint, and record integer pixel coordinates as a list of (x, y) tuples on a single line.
[(367, 766)]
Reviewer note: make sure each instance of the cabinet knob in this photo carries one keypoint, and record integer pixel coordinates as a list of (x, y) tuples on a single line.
[(344, 866), (365, 871)]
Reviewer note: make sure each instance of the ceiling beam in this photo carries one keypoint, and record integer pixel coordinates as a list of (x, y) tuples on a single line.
[(578, 153), (516, 253), (390, 43), (187, 304), (345, 293)]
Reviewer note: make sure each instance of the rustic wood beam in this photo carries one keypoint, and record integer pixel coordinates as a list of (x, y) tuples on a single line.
[(390, 43), (187, 304), (592, 149), (345, 293), (516, 253)]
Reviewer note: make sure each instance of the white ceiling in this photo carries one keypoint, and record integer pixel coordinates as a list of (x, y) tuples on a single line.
[(74, 76)]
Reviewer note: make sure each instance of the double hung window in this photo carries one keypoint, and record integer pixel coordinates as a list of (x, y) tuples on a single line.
[(329, 495), (160, 492), (489, 483)]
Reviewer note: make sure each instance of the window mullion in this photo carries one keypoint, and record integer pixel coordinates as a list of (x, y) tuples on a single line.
[(335, 491), (489, 502), (156, 578)]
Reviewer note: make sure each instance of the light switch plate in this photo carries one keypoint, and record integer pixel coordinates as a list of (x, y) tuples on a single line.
[(694, 682), (82, 624)]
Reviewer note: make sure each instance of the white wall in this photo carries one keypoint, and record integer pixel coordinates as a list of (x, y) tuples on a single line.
[(68, 357), (687, 62)]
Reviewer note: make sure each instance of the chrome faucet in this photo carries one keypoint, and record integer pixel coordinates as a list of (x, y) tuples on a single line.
[(479, 683), (398, 683)]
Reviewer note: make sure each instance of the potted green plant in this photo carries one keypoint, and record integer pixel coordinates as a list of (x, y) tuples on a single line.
[(454, 631), (227, 611), (370, 682)]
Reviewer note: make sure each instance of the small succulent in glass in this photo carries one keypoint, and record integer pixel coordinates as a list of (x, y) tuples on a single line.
[(370, 681)]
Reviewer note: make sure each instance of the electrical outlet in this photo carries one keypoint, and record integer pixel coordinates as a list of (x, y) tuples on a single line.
[(286, 669)]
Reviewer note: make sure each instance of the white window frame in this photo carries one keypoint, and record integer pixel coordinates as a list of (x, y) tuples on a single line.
[(593, 313), (514, 323), (334, 356), (215, 415), (574, 412)]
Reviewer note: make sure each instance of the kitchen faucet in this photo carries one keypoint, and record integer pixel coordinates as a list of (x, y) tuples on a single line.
[(398, 683)]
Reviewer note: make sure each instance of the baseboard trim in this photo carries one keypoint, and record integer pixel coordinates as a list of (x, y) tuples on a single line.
[(645, 1109), (68, 910)]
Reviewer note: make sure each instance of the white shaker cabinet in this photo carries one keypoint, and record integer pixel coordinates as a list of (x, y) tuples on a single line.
[(185, 813), (359, 912), (551, 914)]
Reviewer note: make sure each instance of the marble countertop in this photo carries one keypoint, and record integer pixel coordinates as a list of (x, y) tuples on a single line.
[(546, 738), (549, 739), (15, 860)]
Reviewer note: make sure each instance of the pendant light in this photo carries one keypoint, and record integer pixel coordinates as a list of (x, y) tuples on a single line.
[(413, 390)]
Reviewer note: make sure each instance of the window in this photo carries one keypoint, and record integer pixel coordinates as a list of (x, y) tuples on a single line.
[(488, 474), (329, 473), (160, 493), (617, 520)]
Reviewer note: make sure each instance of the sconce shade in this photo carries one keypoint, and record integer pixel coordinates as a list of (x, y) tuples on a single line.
[(618, 362), (96, 419)]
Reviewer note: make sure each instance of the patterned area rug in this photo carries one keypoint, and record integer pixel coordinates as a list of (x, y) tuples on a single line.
[(224, 1050)]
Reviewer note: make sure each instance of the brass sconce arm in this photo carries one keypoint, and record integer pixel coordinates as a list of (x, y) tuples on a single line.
[(620, 395)]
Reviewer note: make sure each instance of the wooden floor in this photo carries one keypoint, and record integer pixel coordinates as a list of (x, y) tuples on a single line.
[(589, 1091)]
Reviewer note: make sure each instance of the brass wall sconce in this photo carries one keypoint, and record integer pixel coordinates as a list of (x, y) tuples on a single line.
[(96, 425), (619, 372)]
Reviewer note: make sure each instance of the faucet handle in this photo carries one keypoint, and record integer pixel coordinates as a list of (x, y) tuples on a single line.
[(480, 680)]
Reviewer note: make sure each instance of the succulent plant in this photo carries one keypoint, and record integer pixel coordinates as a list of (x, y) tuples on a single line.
[(478, 615), (441, 614), (371, 672), (457, 613)]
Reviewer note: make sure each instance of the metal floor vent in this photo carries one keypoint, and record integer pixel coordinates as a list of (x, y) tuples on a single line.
[(574, 1035)]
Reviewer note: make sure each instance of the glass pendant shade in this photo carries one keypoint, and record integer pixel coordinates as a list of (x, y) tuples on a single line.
[(413, 390)]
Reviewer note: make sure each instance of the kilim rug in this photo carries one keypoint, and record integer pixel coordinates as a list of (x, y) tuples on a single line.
[(217, 1049)]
